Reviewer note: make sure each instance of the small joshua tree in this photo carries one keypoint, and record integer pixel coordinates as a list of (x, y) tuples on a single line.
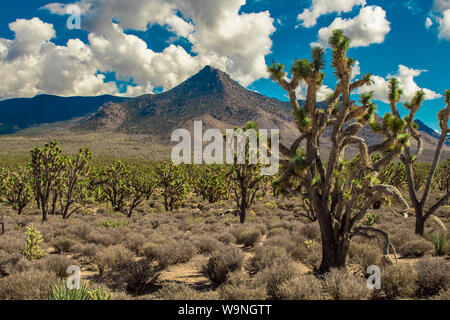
[(408, 129), (172, 180), (73, 182), (212, 183), (443, 176), (340, 201), (112, 183), (141, 187), (31, 250), (245, 176), (16, 188)]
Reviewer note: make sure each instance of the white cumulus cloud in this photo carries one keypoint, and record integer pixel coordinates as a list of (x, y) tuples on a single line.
[(219, 33), (444, 25), (321, 7), (369, 27), (405, 76)]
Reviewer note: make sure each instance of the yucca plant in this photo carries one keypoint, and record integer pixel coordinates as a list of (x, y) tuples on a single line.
[(440, 244), (60, 291)]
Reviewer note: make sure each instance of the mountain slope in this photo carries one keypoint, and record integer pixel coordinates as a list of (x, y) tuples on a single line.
[(21, 113), (220, 102), (211, 96)]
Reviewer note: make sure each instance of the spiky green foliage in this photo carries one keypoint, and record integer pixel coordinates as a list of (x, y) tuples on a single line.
[(212, 183), (173, 182), (32, 251), (277, 72), (60, 291), (394, 90), (440, 244)]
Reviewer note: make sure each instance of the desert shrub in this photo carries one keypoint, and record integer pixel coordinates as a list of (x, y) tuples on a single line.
[(240, 286), (433, 275), (172, 252), (106, 240), (266, 256), (57, 264), (249, 237), (12, 263), (63, 244), (417, 248), (309, 253), (311, 231), (175, 291), (113, 258), (206, 244), (402, 236), (340, 285), (227, 238), (81, 231), (398, 281), (303, 287), (365, 255), (88, 250), (135, 242), (139, 277), (29, 285), (222, 263), (444, 295), (275, 276)]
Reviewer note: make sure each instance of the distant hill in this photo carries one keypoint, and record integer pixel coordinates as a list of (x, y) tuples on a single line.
[(21, 113)]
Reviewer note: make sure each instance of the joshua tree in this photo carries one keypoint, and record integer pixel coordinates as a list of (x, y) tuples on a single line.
[(141, 188), (172, 181), (338, 200), (16, 188), (47, 167), (245, 176), (76, 172), (409, 129)]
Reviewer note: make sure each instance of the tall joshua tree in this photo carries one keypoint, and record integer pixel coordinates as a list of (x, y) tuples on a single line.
[(409, 129), (339, 200)]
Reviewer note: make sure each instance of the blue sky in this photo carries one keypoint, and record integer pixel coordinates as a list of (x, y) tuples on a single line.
[(152, 45)]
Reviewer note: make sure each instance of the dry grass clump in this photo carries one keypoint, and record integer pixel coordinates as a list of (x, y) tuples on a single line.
[(265, 257), (171, 252), (274, 277), (113, 258), (63, 244), (240, 286), (226, 260), (311, 231), (303, 287), (55, 263), (135, 242), (226, 238), (416, 248), (398, 281), (28, 285), (365, 255), (180, 291), (433, 275), (341, 285), (248, 237), (206, 244)]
